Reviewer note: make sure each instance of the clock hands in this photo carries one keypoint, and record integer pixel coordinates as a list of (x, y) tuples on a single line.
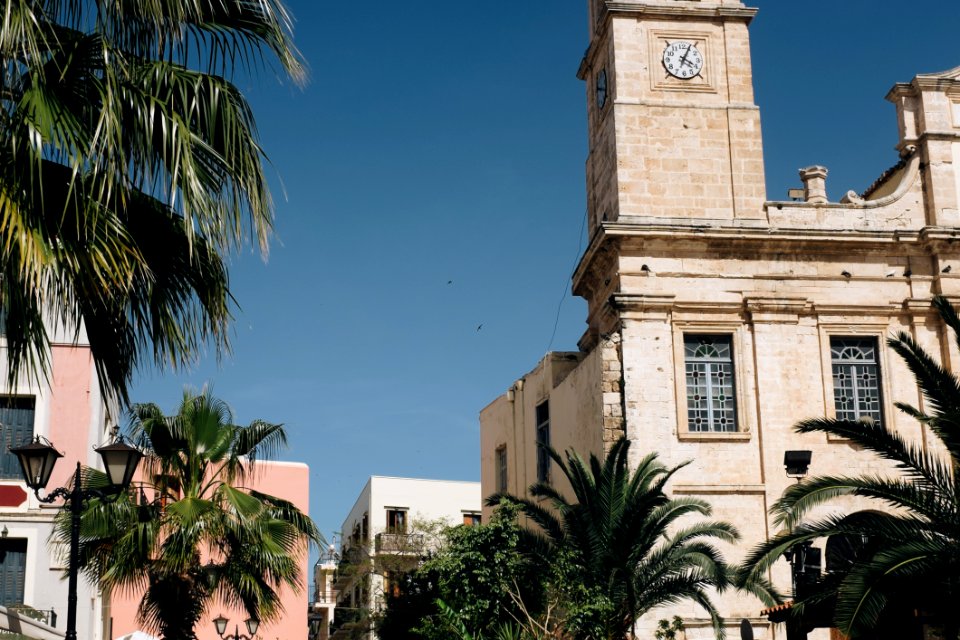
[(682, 60)]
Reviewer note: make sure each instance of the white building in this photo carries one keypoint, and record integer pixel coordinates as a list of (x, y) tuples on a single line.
[(386, 532)]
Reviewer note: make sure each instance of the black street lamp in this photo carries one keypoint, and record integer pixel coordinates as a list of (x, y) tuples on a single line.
[(221, 624), (36, 462)]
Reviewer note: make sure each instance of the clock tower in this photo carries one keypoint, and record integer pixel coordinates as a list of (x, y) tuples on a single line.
[(716, 319), (673, 129), (674, 140)]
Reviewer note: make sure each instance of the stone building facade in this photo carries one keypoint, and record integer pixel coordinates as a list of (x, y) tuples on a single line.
[(718, 319)]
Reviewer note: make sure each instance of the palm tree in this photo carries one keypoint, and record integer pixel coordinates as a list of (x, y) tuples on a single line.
[(624, 553), (909, 554), (129, 167), (204, 537)]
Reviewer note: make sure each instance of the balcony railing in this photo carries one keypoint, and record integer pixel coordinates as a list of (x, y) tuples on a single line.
[(402, 543), (327, 597)]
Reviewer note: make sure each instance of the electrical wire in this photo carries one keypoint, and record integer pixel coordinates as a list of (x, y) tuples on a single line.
[(566, 283)]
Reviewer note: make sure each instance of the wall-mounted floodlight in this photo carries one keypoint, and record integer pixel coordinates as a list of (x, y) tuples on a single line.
[(797, 463)]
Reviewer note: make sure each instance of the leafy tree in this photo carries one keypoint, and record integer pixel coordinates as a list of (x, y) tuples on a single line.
[(482, 574), (909, 556), (397, 563), (478, 582), (405, 609), (619, 549), (129, 167), (205, 537)]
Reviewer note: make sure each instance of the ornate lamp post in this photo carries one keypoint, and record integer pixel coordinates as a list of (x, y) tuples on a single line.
[(36, 462), (221, 624)]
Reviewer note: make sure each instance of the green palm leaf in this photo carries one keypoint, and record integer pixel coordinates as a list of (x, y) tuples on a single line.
[(130, 168)]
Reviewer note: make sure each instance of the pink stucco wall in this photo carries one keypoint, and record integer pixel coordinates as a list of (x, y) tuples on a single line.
[(69, 417), (285, 480)]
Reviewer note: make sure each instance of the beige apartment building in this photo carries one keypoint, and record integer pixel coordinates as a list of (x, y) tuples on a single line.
[(717, 319)]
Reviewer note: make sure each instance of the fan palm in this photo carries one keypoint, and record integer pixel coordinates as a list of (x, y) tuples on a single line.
[(129, 167), (623, 542), (204, 537), (912, 555)]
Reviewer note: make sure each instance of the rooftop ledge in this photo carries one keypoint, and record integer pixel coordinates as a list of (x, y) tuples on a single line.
[(686, 9)]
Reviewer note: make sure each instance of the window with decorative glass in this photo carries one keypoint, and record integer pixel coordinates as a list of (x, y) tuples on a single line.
[(711, 397), (856, 378)]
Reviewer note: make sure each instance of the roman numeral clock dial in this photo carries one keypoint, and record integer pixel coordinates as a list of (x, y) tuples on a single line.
[(682, 60)]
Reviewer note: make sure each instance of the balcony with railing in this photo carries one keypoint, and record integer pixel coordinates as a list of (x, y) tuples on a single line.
[(399, 543), (325, 597)]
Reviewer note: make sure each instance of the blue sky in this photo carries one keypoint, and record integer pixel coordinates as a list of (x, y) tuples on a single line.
[(430, 202)]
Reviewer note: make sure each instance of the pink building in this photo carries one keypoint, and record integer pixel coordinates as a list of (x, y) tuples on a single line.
[(68, 410), (288, 480)]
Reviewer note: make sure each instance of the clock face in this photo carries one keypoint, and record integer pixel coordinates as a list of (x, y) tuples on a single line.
[(601, 88), (682, 60)]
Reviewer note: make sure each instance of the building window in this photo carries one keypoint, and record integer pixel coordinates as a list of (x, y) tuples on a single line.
[(543, 441), (391, 584), (856, 378), (13, 570), (501, 468), (711, 397), (471, 518), (16, 429), (396, 520)]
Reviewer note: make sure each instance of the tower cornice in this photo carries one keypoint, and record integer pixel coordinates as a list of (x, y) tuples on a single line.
[(612, 238), (682, 11)]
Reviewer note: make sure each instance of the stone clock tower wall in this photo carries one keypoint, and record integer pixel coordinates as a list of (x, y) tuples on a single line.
[(665, 147), (690, 274)]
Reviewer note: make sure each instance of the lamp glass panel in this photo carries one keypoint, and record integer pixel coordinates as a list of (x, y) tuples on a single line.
[(36, 462), (252, 625), (120, 462), (221, 624)]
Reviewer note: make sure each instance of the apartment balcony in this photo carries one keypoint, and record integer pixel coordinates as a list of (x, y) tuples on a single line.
[(328, 598), (400, 543)]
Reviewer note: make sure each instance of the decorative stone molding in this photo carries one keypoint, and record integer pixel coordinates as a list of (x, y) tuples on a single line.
[(660, 10), (643, 307), (780, 310)]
